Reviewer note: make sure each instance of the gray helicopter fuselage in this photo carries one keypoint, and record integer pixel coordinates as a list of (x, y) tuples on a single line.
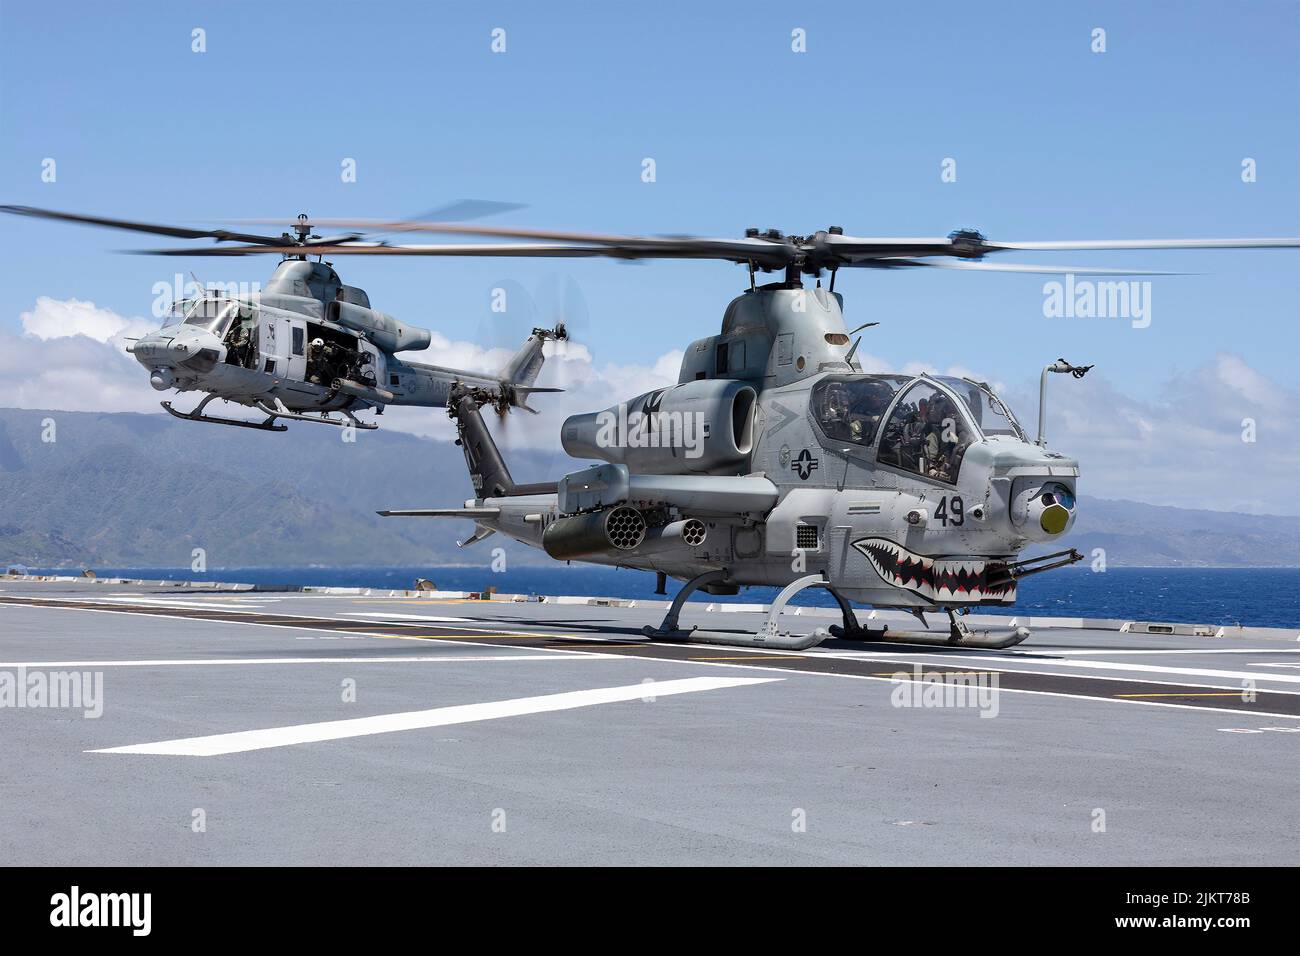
[(902, 490), (262, 348)]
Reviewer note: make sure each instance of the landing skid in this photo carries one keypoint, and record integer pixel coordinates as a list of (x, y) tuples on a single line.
[(348, 418), (197, 416), (769, 635), (959, 633), (272, 413)]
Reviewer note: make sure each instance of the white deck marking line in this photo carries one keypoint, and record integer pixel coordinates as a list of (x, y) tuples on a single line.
[(486, 632), (489, 627), (185, 605), (1046, 655), (1161, 669), (378, 616), (246, 597), (209, 602), (245, 740), (1109, 652), (453, 658)]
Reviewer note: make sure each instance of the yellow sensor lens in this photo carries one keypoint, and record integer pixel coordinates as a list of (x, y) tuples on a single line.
[(1054, 519)]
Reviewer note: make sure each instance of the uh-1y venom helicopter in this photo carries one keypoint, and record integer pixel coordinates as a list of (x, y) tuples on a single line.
[(775, 461), (305, 346)]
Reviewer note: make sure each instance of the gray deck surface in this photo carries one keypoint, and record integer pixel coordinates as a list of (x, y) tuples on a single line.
[(1153, 731)]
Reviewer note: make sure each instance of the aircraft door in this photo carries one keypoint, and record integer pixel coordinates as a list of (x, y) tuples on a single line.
[(378, 366), (269, 345), (296, 360)]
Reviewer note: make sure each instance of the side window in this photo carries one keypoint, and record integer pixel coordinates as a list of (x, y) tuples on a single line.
[(926, 435), (299, 334), (720, 360), (850, 407), (737, 363)]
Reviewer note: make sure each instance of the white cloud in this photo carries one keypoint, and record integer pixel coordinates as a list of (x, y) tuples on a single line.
[(71, 357), (66, 318)]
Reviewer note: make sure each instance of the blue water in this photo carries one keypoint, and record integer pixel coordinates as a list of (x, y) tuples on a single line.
[(1264, 597)]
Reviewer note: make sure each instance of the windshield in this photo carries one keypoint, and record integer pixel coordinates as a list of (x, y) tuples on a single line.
[(176, 314), (211, 314), (986, 409)]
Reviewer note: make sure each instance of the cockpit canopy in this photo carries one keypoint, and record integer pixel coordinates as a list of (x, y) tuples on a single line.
[(932, 423), (209, 312)]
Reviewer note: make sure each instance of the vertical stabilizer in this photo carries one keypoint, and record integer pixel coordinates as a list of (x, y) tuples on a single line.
[(487, 469), (526, 365)]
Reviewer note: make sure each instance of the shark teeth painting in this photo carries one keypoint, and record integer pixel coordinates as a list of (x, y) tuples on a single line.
[(936, 579)]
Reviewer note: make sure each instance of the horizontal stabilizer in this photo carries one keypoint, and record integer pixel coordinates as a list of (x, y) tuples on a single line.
[(443, 513)]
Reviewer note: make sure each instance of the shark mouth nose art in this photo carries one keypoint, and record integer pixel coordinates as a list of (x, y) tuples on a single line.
[(936, 579)]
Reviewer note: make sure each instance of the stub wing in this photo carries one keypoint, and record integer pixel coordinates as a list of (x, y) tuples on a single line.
[(471, 513)]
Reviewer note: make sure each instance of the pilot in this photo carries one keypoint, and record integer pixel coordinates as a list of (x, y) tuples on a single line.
[(834, 411), (315, 356), (942, 438), (237, 344), (362, 371), (933, 450), (864, 413)]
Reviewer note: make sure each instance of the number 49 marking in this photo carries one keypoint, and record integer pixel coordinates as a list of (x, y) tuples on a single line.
[(950, 510)]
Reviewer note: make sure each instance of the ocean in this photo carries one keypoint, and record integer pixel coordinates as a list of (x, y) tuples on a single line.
[(1263, 597)]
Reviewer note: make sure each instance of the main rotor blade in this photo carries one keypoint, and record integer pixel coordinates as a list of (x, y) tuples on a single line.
[(859, 250), (1088, 244), (445, 225), (176, 232), (453, 212), (973, 266), (769, 254), (382, 249)]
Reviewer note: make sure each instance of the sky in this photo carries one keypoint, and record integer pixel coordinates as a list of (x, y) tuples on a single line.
[(1048, 140)]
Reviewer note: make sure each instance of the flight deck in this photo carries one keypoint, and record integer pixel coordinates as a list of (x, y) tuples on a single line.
[(221, 724)]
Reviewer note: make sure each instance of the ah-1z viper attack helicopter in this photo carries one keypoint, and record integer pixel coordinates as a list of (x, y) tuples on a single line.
[(307, 347), (897, 491)]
